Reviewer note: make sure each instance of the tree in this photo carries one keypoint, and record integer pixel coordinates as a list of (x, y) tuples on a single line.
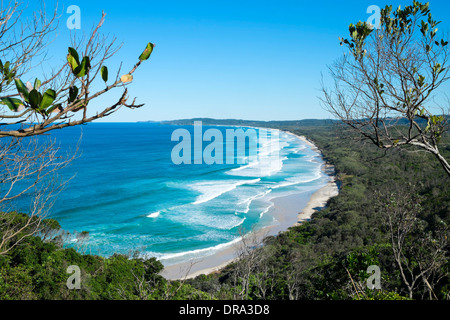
[(386, 86), (419, 251), (28, 168), (55, 101), (248, 258)]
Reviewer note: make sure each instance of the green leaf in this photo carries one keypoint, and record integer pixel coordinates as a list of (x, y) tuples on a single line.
[(22, 89), (74, 54), (53, 108), (84, 68), (72, 62), (34, 98), (147, 52), (47, 99), (12, 103), (104, 73), (6, 67), (37, 84), (73, 93)]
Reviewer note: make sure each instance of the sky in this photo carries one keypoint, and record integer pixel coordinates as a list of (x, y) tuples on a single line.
[(254, 60)]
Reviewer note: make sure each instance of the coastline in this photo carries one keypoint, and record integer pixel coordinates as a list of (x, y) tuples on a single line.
[(289, 211), (320, 198)]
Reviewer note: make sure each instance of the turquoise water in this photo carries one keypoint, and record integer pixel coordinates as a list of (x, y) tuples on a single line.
[(129, 195)]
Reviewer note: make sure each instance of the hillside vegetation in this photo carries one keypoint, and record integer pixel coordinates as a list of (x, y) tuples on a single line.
[(382, 195)]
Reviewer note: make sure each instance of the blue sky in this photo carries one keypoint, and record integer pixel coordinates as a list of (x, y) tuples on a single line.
[(259, 60)]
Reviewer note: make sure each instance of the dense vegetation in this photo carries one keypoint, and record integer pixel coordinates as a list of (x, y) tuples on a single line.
[(325, 258), (37, 269)]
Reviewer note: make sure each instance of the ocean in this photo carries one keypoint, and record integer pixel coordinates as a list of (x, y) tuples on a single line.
[(132, 197)]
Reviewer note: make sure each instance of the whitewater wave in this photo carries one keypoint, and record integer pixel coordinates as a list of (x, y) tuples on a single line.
[(299, 180), (269, 159), (252, 164), (248, 201), (204, 219), (195, 253), (298, 149), (154, 214), (212, 189), (264, 167), (266, 210), (236, 224)]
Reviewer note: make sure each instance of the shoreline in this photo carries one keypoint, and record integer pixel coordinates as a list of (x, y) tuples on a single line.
[(289, 211), (320, 198)]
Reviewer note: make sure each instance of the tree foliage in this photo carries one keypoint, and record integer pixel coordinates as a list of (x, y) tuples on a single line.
[(394, 75), (63, 98)]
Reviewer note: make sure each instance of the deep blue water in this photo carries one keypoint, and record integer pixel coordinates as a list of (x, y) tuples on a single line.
[(129, 195)]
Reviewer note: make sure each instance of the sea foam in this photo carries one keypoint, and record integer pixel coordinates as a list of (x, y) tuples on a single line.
[(212, 189), (154, 214)]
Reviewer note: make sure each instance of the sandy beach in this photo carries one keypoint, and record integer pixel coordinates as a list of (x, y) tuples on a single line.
[(320, 198), (288, 210)]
